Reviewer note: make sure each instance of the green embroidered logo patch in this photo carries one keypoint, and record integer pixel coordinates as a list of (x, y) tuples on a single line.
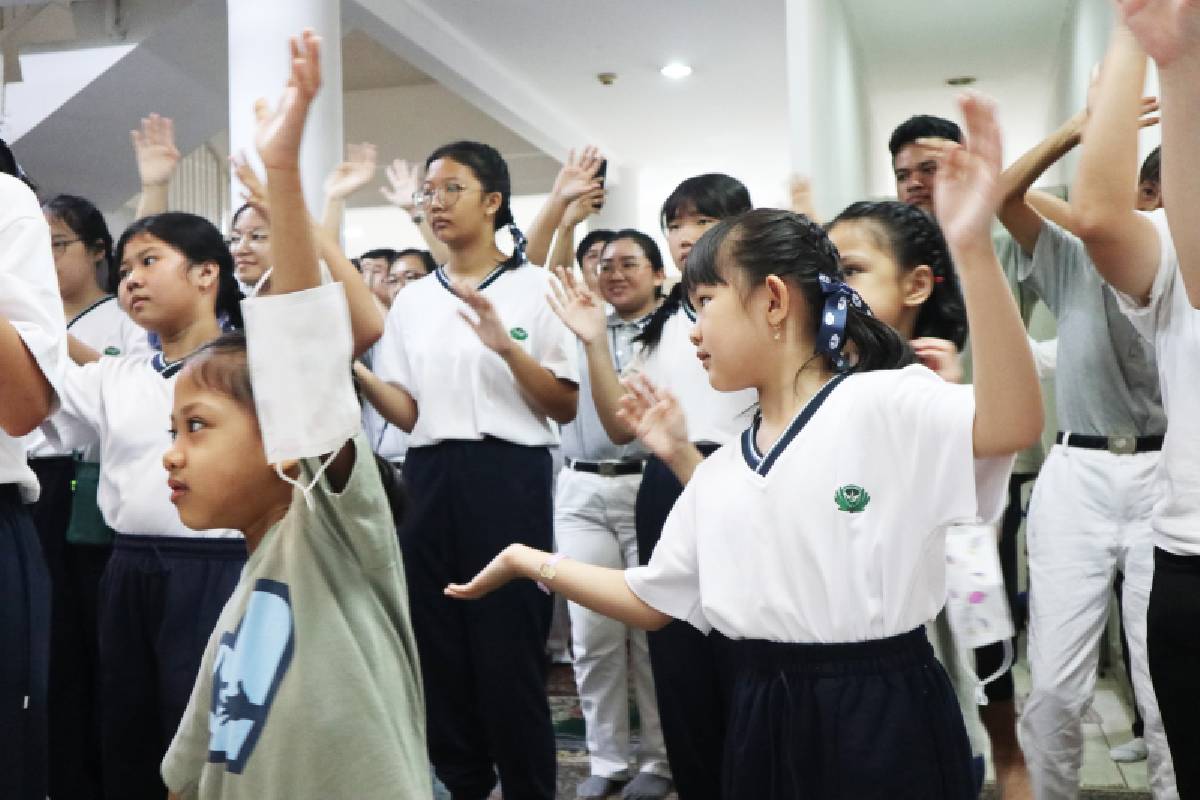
[(519, 334), (112, 351), (851, 498)]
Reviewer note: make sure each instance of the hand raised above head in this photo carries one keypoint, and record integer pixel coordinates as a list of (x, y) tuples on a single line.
[(404, 180), (578, 175), (1166, 29), (154, 148), (281, 129), (968, 193), (352, 174)]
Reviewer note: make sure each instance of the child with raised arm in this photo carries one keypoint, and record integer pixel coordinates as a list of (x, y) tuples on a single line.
[(309, 686), (816, 543)]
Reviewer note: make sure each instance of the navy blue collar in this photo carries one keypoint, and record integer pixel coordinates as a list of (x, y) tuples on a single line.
[(92, 307), (512, 262), (167, 369), (762, 464)]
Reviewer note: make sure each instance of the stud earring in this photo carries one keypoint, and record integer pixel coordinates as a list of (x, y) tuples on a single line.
[(776, 334)]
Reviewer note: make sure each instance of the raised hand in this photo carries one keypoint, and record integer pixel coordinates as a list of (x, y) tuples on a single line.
[(578, 175), (967, 193), (404, 180), (253, 192), (655, 416), (154, 148), (280, 129), (498, 572), (940, 356), (578, 307), (486, 323), (352, 174), (1166, 29)]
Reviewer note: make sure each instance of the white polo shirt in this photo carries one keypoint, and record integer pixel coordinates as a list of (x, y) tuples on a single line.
[(29, 300), (463, 390), (712, 416), (123, 404), (1173, 325), (108, 330), (837, 534)]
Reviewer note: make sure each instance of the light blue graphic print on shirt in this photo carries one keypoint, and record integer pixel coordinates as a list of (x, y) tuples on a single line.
[(248, 668)]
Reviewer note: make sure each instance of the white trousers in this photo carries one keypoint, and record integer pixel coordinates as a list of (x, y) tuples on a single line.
[(594, 524), (1089, 516)]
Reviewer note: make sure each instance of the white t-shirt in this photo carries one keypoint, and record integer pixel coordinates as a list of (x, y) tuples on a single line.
[(1173, 325), (29, 300), (124, 404), (838, 533), (712, 416), (463, 390), (108, 330)]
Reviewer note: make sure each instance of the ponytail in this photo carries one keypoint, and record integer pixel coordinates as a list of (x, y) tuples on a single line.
[(651, 335)]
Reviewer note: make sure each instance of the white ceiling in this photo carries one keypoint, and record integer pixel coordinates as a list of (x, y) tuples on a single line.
[(366, 64)]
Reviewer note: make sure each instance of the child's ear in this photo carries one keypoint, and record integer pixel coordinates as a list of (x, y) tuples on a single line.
[(208, 275), (779, 300), (918, 286)]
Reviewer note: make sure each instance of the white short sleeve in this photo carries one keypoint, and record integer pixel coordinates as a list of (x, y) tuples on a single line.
[(671, 581), (1145, 317), (389, 357), (554, 346), (79, 420)]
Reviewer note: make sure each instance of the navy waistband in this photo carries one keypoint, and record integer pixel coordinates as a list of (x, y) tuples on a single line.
[(10, 494), (180, 546), (1168, 559), (903, 650)]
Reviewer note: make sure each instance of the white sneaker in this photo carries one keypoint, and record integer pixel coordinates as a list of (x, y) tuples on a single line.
[(1133, 750)]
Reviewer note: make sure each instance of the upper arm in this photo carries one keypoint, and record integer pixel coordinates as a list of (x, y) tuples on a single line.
[(1127, 254), (1022, 221), (1052, 208)]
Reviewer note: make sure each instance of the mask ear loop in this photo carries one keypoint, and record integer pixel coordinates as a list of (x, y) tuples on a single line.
[(305, 490), (257, 287), (981, 698)]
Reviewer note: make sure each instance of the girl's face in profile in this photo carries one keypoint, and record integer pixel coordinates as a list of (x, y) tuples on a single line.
[(893, 294)]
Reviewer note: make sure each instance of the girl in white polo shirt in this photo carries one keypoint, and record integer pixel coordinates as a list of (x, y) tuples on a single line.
[(816, 544), (477, 368)]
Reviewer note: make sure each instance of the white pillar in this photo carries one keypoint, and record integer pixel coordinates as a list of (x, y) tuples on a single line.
[(259, 66)]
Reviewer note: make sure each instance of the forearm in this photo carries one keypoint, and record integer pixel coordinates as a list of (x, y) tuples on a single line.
[(79, 352), (1008, 403), (541, 231), (563, 254), (366, 319), (153, 200), (1026, 170), (684, 461), (393, 403), (600, 589), (1181, 160), (331, 217), (549, 395), (607, 391), (293, 249), (25, 394)]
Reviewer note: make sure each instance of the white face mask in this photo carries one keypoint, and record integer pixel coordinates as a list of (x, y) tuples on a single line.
[(976, 603), (299, 346)]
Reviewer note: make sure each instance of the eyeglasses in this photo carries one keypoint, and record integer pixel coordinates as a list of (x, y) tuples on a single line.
[(625, 267), (255, 237), (447, 195), (60, 246)]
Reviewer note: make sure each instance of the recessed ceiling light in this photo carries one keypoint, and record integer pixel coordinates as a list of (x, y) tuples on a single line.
[(960, 80), (676, 71)]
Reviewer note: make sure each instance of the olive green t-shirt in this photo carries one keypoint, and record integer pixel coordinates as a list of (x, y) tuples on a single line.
[(310, 685)]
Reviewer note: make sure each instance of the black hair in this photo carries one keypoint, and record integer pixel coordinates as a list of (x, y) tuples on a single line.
[(9, 166), (923, 126), (489, 168), (648, 246), (585, 244), (86, 222), (382, 252), (199, 241), (1152, 167), (242, 209), (425, 256), (222, 365), (711, 195), (792, 247), (914, 238)]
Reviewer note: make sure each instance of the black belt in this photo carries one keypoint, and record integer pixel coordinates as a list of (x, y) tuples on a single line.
[(1121, 445), (609, 469)]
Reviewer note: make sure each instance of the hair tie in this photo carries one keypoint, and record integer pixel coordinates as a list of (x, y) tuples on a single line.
[(519, 242), (831, 336), (939, 278)]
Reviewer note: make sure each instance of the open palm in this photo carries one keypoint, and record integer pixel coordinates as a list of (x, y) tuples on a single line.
[(404, 180), (655, 415), (352, 174), (967, 192), (154, 148), (578, 176), (578, 308), (1166, 29), (280, 129)]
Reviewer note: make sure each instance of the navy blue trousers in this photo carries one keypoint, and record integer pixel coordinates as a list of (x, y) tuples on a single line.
[(691, 674), (160, 598), (483, 661), (874, 720), (75, 571), (24, 652), (1173, 642)]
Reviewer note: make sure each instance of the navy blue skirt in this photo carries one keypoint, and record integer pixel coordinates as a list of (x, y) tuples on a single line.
[(855, 721)]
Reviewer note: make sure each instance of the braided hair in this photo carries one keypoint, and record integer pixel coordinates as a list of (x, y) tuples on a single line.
[(914, 238)]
